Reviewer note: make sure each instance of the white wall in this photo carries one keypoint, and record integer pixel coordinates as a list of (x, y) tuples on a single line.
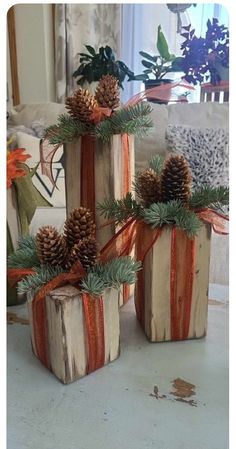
[(35, 58)]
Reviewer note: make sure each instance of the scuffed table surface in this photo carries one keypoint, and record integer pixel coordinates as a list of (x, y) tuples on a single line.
[(129, 404)]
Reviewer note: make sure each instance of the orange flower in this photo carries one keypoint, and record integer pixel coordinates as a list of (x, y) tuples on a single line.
[(14, 157)]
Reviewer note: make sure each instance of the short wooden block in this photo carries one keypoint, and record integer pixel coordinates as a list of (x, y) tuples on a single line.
[(67, 335), (175, 310)]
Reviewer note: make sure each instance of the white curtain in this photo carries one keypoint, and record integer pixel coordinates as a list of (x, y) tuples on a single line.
[(77, 25)]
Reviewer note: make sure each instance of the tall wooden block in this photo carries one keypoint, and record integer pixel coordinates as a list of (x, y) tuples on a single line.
[(171, 294), (96, 170), (75, 329)]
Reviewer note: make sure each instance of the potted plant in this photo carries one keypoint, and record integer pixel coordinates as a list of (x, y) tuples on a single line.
[(94, 65), (157, 66), (205, 58)]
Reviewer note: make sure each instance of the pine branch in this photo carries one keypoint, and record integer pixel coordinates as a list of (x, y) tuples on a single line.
[(211, 197), (66, 130), (171, 213), (25, 256), (34, 282), (93, 284), (131, 120), (156, 163), (112, 274), (120, 210)]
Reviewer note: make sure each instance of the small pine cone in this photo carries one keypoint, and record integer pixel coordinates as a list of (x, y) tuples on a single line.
[(85, 251), (176, 180), (51, 246), (79, 225), (107, 92), (81, 105), (148, 187)]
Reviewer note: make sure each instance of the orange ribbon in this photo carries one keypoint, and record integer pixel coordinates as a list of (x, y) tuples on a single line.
[(100, 114), (181, 282)]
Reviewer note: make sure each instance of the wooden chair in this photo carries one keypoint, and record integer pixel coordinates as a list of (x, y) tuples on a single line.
[(218, 93)]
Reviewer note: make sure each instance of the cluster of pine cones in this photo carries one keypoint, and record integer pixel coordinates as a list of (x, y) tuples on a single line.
[(173, 183), (82, 103), (77, 242)]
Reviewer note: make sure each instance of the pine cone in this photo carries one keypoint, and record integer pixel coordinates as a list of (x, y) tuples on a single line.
[(51, 246), (176, 180), (148, 187), (79, 225), (81, 105), (107, 92), (85, 251)]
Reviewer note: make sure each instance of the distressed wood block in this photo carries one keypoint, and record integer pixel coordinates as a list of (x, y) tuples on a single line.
[(97, 170), (174, 297), (68, 336), (110, 171)]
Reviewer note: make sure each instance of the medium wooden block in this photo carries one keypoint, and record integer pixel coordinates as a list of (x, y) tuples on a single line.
[(175, 298)]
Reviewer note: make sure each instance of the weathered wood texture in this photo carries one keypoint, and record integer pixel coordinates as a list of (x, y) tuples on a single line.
[(110, 179), (67, 338), (109, 175), (157, 285), (13, 216)]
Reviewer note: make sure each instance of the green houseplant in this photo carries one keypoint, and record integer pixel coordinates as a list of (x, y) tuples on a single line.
[(93, 65), (157, 66)]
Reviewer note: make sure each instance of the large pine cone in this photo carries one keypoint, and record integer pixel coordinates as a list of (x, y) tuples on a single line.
[(51, 246), (85, 251), (176, 180), (107, 92), (147, 187), (81, 105), (79, 225)]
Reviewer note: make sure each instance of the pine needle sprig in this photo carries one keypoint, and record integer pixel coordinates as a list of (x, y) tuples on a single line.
[(156, 163), (130, 120), (66, 130), (213, 197), (25, 256), (120, 210), (112, 274), (172, 213), (34, 282), (93, 284)]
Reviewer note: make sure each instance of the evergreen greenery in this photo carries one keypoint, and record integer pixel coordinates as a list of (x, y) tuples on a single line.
[(156, 163), (130, 120), (25, 256), (211, 197), (66, 130), (121, 270), (120, 210), (172, 213), (33, 282)]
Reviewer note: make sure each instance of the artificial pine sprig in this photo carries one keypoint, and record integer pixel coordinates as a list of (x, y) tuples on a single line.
[(120, 210), (156, 163), (25, 256), (213, 197), (172, 213), (34, 282), (121, 270), (130, 120), (66, 130)]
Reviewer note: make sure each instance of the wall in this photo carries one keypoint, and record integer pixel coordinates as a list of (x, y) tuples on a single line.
[(34, 42)]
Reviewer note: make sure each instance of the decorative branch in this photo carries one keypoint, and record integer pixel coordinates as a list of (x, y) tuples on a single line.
[(211, 197), (120, 210)]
